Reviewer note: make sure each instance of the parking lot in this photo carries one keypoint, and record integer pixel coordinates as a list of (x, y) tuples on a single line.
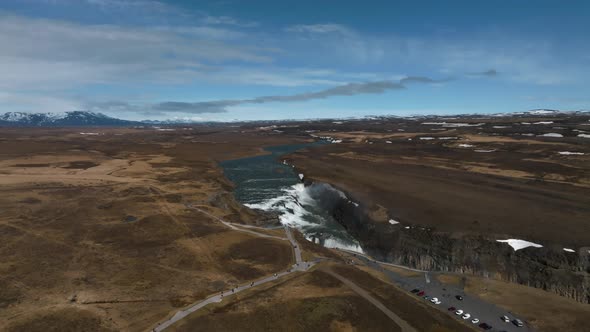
[(428, 283)]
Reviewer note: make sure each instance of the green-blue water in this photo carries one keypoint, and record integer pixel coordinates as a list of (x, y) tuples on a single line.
[(267, 183)]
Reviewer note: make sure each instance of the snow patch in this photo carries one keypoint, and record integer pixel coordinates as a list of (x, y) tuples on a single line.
[(466, 145), (517, 244), (568, 250), (584, 135), (393, 222), (552, 135), (542, 112), (453, 124), (484, 151), (569, 153)]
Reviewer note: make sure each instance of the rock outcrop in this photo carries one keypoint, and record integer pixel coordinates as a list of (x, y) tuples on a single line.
[(549, 268)]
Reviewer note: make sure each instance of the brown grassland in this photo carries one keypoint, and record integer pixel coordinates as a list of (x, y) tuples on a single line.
[(96, 234)]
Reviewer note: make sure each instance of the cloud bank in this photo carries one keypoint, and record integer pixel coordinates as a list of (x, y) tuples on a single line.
[(487, 73), (220, 106)]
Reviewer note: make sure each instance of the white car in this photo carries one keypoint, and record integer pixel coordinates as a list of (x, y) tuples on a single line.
[(466, 316), (505, 319), (475, 320), (459, 312), (435, 300)]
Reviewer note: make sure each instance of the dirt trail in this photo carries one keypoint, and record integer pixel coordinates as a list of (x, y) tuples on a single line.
[(405, 327)]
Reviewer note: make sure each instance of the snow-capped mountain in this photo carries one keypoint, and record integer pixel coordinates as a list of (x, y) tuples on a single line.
[(82, 118), (67, 119)]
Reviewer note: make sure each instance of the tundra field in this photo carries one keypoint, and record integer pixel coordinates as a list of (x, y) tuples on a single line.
[(103, 229)]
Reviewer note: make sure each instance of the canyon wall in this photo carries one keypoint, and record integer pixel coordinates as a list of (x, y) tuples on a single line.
[(549, 268)]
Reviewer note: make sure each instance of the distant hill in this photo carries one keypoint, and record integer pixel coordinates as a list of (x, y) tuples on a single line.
[(67, 119)]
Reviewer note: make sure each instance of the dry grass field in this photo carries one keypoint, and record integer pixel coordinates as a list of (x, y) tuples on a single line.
[(308, 302), (96, 234), (462, 180), (317, 301)]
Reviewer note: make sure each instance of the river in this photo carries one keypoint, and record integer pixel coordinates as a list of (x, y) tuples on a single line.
[(268, 183)]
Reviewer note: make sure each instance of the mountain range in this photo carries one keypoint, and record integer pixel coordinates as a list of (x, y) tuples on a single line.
[(93, 119)]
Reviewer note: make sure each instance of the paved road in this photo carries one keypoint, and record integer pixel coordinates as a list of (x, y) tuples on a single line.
[(404, 326), (486, 312), (296, 249), (299, 265), (237, 227), (380, 262)]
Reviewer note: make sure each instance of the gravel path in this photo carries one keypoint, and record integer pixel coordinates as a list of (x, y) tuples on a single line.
[(405, 327)]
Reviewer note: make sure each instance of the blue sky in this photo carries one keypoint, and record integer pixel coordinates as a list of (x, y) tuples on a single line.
[(233, 59)]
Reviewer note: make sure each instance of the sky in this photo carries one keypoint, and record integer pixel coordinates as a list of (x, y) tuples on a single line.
[(231, 60)]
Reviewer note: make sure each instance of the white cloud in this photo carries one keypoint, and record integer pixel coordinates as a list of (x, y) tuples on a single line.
[(45, 53), (523, 59), (227, 20), (320, 29)]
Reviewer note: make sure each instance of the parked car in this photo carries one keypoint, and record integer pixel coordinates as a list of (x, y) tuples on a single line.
[(435, 300), (466, 316), (421, 293), (459, 312), (426, 297), (415, 290), (485, 326), (505, 319), (459, 297), (452, 309), (475, 320), (518, 323)]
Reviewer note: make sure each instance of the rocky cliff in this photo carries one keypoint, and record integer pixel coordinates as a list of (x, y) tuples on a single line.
[(549, 268)]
